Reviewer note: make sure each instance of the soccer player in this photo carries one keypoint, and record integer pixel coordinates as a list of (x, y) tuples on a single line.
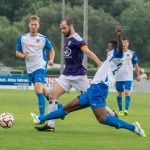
[(74, 74), (124, 77), (96, 95), (31, 47)]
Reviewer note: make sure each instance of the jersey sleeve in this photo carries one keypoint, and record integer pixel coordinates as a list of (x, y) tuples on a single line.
[(48, 44), (134, 59), (19, 45)]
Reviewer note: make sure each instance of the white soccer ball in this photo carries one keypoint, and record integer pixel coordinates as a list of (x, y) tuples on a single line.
[(6, 120)]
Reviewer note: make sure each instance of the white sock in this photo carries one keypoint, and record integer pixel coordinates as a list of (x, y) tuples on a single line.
[(51, 107), (109, 111)]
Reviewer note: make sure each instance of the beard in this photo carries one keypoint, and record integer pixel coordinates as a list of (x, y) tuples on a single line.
[(68, 33)]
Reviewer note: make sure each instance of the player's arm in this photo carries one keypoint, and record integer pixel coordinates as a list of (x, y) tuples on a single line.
[(119, 38), (51, 57), (21, 55), (138, 78), (91, 55)]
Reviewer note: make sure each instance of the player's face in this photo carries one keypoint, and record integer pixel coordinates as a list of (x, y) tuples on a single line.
[(34, 26), (125, 44), (65, 29), (109, 47)]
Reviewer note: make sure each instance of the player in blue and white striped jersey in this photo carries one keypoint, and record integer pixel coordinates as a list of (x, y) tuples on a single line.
[(124, 77), (32, 47)]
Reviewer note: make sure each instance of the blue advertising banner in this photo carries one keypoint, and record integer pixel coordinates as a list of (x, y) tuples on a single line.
[(15, 80)]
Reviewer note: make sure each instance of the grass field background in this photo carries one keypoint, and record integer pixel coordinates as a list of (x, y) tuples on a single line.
[(80, 130)]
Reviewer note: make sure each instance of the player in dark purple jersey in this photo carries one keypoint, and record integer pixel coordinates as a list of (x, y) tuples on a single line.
[(74, 74)]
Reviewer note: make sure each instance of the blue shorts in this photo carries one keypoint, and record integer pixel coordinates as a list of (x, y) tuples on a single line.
[(95, 96), (37, 76), (123, 85)]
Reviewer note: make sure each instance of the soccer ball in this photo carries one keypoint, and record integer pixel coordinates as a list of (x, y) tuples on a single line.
[(6, 120)]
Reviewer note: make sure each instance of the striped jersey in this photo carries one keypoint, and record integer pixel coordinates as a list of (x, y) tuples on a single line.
[(126, 71), (35, 46), (107, 72)]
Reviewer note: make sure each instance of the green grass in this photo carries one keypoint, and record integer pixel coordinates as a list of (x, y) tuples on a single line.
[(79, 130)]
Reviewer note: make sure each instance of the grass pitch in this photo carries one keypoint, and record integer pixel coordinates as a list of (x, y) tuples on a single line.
[(79, 130)]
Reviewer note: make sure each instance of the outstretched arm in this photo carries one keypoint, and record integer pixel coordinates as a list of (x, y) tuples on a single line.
[(92, 56), (119, 38)]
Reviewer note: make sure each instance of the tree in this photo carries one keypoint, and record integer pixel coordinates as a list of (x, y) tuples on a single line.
[(135, 21)]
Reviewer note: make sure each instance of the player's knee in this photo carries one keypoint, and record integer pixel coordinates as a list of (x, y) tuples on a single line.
[(52, 96), (127, 93), (119, 94)]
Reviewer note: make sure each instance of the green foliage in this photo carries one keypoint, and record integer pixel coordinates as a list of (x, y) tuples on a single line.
[(53, 71), (135, 22), (103, 16)]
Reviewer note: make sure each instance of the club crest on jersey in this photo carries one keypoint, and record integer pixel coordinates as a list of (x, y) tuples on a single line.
[(67, 52), (37, 41), (69, 43), (128, 55)]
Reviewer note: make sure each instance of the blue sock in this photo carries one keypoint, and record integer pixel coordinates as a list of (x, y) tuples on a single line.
[(59, 113), (118, 123), (119, 101), (41, 103), (59, 105), (127, 102)]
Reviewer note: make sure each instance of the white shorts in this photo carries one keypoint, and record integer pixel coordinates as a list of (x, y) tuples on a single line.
[(80, 83)]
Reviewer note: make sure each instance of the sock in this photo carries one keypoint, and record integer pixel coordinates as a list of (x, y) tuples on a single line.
[(59, 105), (59, 113), (51, 107), (127, 102), (119, 101), (118, 123), (41, 103), (109, 111)]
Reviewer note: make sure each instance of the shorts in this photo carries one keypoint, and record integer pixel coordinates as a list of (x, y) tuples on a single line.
[(95, 96), (79, 83), (37, 76), (123, 85)]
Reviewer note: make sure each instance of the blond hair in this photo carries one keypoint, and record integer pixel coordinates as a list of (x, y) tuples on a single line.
[(34, 17)]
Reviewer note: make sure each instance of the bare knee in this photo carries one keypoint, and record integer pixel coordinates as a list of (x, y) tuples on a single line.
[(127, 93), (119, 94)]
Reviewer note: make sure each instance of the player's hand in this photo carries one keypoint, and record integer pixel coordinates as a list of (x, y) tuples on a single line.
[(138, 78), (100, 63), (26, 54), (118, 30), (50, 63)]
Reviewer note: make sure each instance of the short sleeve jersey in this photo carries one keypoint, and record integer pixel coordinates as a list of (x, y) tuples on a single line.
[(107, 72), (126, 71), (36, 47), (74, 56)]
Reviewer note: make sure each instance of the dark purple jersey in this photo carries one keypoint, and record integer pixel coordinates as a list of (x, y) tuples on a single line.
[(74, 56)]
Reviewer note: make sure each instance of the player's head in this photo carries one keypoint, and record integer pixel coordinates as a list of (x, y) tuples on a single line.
[(66, 26), (125, 42), (34, 24), (111, 45)]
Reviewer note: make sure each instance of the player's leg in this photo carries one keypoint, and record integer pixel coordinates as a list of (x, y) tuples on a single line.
[(38, 80), (127, 86), (46, 92), (116, 122), (119, 88), (60, 87), (98, 105), (73, 105)]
